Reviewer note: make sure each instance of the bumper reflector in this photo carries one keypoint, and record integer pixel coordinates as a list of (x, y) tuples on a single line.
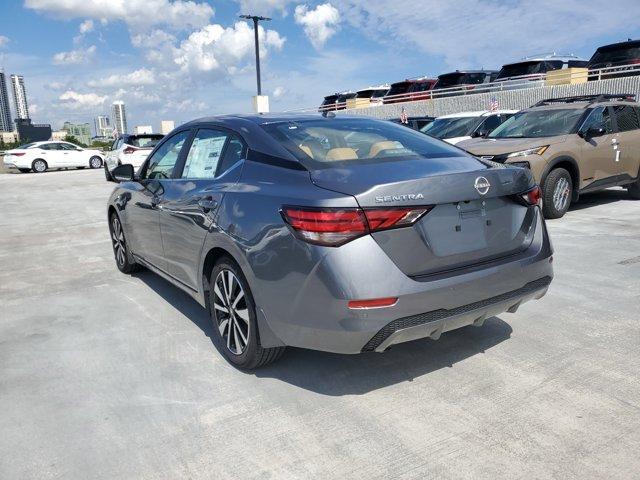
[(373, 303)]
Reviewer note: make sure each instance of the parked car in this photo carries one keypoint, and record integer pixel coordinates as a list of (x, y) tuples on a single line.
[(534, 69), (39, 157), (416, 123), (572, 145), (457, 127), (341, 101), (619, 59), (131, 149), (461, 81), (342, 234), (410, 90), (373, 94), (329, 102)]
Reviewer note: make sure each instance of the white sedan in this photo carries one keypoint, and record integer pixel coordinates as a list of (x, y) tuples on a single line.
[(42, 156)]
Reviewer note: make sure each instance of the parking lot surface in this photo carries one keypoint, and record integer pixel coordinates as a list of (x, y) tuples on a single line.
[(104, 375)]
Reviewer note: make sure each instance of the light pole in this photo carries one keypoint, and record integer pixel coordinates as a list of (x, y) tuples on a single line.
[(256, 19)]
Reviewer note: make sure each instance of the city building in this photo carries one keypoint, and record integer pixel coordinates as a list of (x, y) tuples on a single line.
[(8, 137), (102, 126), (5, 110), (166, 126), (119, 117), (142, 129), (29, 132), (59, 135), (20, 97), (82, 131)]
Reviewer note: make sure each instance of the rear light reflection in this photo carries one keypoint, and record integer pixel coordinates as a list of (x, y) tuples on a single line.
[(129, 150), (333, 227), (373, 303)]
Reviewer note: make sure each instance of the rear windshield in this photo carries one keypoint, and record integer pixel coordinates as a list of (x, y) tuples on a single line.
[(329, 100), (399, 88), (451, 127), (615, 54), (524, 68), (28, 145), (379, 93), (144, 141), (539, 123), (343, 98), (451, 80), (324, 142)]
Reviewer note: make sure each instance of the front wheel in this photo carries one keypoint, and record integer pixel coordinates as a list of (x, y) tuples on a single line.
[(634, 189), (124, 259), (556, 193), (233, 313), (95, 162)]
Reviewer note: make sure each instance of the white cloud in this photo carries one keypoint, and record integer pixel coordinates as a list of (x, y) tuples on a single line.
[(86, 26), (3, 41), (279, 92), (178, 14), (81, 101), (142, 76), (74, 57), (264, 7), (319, 24), (215, 48), (487, 33)]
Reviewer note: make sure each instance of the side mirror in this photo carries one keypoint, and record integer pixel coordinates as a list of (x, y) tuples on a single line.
[(123, 173), (594, 131), (480, 134)]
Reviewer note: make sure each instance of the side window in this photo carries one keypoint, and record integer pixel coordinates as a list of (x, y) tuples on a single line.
[(47, 146), (233, 153), (490, 124), (114, 146), (164, 159), (599, 117), (626, 117), (204, 154)]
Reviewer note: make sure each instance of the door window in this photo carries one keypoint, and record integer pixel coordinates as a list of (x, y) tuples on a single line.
[(598, 118), (161, 164), (212, 152), (626, 118), (490, 124)]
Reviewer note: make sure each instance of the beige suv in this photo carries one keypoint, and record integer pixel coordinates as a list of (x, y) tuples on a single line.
[(572, 145)]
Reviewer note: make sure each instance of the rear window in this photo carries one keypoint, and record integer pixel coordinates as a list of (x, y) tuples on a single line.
[(451, 127), (450, 80), (379, 93), (615, 54), (144, 141), (399, 88), (324, 142), (627, 117), (329, 100), (519, 69)]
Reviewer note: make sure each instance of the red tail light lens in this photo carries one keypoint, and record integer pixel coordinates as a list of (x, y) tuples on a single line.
[(17, 154), (533, 196), (333, 227), (373, 303), (129, 150)]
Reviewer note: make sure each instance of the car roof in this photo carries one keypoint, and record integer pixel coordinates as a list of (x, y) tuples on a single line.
[(478, 113), (627, 44), (547, 56), (264, 118), (581, 104), (457, 72)]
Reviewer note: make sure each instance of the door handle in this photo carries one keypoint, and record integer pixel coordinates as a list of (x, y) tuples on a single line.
[(207, 204), (614, 141)]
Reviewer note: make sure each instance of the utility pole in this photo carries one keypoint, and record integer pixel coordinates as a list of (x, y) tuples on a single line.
[(256, 19)]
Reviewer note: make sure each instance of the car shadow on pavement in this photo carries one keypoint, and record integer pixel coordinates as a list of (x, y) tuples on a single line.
[(337, 375), (600, 198)]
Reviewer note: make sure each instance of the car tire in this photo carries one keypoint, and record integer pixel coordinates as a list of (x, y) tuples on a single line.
[(39, 165), (233, 314), (556, 193), (121, 252), (24, 170), (107, 174), (634, 189), (95, 162)]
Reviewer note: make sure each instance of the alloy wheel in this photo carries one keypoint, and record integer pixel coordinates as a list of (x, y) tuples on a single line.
[(95, 162), (39, 166), (561, 194), (119, 246), (231, 312)]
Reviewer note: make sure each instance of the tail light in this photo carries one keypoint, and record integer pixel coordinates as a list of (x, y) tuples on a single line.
[(336, 226), (373, 303), (17, 154), (129, 150), (533, 196)]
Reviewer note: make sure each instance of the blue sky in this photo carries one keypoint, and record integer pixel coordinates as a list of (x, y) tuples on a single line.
[(178, 59)]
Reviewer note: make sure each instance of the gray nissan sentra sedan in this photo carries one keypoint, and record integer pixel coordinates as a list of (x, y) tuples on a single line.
[(339, 234)]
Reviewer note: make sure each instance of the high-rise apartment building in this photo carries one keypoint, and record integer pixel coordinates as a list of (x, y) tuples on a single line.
[(20, 97), (103, 126), (119, 117), (166, 126), (5, 110), (82, 131)]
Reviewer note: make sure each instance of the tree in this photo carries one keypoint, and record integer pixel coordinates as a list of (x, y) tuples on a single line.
[(75, 141)]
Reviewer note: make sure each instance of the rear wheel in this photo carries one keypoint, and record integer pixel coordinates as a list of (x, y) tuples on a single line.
[(233, 313), (124, 259), (95, 162), (556, 195), (39, 166), (634, 189)]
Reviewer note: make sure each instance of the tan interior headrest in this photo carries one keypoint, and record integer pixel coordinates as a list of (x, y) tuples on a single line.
[(343, 153), (306, 150), (379, 146)]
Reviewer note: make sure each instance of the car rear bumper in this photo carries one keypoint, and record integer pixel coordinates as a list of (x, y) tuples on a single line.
[(318, 317)]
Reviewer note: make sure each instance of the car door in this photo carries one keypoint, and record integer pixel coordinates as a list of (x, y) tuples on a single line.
[(72, 156), (190, 204), (55, 155), (143, 217), (627, 121), (598, 153)]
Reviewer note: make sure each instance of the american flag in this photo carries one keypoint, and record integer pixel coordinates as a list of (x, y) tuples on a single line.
[(493, 106), (403, 116)]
